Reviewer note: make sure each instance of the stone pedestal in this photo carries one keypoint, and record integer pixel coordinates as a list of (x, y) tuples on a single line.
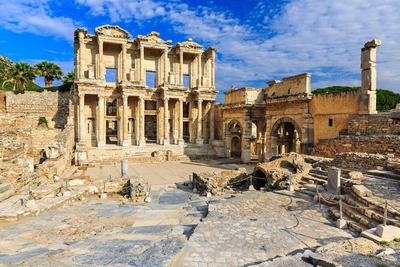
[(251, 188), (341, 224), (199, 141), (387, 232), (103, 195), (124, 168), (67, 194), (334, 180)]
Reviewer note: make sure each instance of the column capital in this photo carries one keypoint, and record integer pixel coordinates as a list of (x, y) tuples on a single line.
[(166, 98), (80, 94)]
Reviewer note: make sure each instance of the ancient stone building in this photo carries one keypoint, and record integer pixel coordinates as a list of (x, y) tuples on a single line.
[(130, 94)]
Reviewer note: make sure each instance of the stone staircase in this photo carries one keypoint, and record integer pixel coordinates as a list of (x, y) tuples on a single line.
[(362, 212), (6, 190)]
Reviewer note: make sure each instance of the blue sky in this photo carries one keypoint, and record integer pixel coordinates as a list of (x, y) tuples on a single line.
[(258, 41)]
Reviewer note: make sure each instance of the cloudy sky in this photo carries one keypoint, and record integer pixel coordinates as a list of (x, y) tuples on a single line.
[(258, 40)]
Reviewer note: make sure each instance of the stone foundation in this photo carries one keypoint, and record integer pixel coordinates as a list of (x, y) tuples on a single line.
[(215, 182), (364, 161)]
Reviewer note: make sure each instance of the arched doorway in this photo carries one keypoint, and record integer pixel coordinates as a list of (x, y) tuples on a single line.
[(236, 145), (259, 179), (234, 141), (287, 134)]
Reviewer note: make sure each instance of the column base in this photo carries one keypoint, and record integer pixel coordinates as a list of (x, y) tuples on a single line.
[(166, 142), (125, 143), (199, 141), (181, 142), (100, 144), (141, 143)]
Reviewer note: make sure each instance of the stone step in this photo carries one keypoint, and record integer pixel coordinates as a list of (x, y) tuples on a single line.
[(319, 172), (385, 174), (376, 203), (7, 194), (316, 180), (353, 226), (375, 215), (358, 217)]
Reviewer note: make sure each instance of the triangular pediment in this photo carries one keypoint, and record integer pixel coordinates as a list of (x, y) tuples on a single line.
[(190, 44), (153, 37), (112, 31)]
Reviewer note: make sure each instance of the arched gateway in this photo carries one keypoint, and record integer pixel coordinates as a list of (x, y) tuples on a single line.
[(287, 136)]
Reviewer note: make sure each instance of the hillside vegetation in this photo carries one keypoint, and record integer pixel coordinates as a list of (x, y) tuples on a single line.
[(385, 99)]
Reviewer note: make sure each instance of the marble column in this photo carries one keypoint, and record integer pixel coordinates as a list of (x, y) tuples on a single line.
[(100, 118), (82, 128), (142, 141), (180, 141), (199, 140), (124, 121), (165, 66), (80, 56), (166, 120), (180, 67), (199, 72), (99, 67), (141, 63), (212, 121), (213, 68), (123, 69)]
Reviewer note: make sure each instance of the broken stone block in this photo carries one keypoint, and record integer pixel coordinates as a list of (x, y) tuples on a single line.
[(356, 175), (341, 224), (334, 181), (75, 182), (387, 232), (361, 191)]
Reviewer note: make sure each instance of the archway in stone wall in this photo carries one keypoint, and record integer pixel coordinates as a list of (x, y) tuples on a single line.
[(235, 141), (287, 134), (259, 179)]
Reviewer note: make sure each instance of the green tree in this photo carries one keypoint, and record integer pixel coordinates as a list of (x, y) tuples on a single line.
[(19, 75), (69, 78), (49, 71)]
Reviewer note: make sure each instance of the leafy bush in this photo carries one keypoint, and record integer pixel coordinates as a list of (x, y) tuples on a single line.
[(43, 121)]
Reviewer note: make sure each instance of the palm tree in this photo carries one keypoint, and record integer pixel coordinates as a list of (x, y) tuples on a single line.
[(19, 74), (69, 78), (49, 71)]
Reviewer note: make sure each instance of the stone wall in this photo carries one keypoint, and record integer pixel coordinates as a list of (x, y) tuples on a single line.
[(377, 144), (54, 106), (364, 161), (377, 124), (215, 182)]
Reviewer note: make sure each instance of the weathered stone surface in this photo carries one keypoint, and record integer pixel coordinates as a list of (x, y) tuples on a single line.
[(334, 181), (356, 175), (361, 191)]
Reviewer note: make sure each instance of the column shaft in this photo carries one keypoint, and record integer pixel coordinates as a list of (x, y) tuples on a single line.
[(99, 67), (165, 66), (125, 121), (166, 124), (212, 120), (180, 67), (82, 128), (141, 63), (199, 72), (199, 122), (100, 118), (142, 141), (123, 69)]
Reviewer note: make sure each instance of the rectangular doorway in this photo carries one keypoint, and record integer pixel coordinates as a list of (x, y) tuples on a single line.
[(150, 128)]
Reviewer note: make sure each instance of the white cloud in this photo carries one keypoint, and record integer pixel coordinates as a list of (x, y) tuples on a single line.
[(34, 16)]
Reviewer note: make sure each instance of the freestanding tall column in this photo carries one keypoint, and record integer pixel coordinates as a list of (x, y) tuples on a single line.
[(199, 140), (125, 121), (166, 124), (180, 141), (82, 140), (368, 77), (142, 141), (212, 120), (100, 118)]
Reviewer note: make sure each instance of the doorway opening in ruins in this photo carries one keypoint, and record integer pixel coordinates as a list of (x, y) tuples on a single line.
[(111, 132), (259, 179), (150, 128), (288, 135), (186, 134), (236, 147)]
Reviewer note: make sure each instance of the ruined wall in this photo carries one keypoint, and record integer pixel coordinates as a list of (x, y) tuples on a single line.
[(365, 161), (215, 182), (376, 124), (244, 96), (293, 85), (379, 144), (32, 105), (331, 112)]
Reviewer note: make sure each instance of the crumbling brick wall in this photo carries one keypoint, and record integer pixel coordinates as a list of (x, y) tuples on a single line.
[(376, 124)]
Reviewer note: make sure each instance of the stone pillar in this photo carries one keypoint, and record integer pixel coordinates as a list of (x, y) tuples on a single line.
[(141, 63), (80, 69), (199, 70), (368, 77), (142, 141), (180, 141), (124, 168), (166, 124), (82, 131), (246, 132), (180, 67), (124, 120), (123, 67), (99, 67), (100, 119), (334, 180), (212, 130), (213, 68), (165, 65), (199, 140)]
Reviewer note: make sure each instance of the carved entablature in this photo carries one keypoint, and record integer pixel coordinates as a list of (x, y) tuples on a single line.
[(112, 31), (152, 38), (210, 52)]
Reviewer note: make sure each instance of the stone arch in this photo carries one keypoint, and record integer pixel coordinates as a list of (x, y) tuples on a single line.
[(234, 126), (259, 178), (234, 138), (286, 136)]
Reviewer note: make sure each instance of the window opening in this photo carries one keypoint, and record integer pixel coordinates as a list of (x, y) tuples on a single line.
[(111, 75), (151, 79)]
